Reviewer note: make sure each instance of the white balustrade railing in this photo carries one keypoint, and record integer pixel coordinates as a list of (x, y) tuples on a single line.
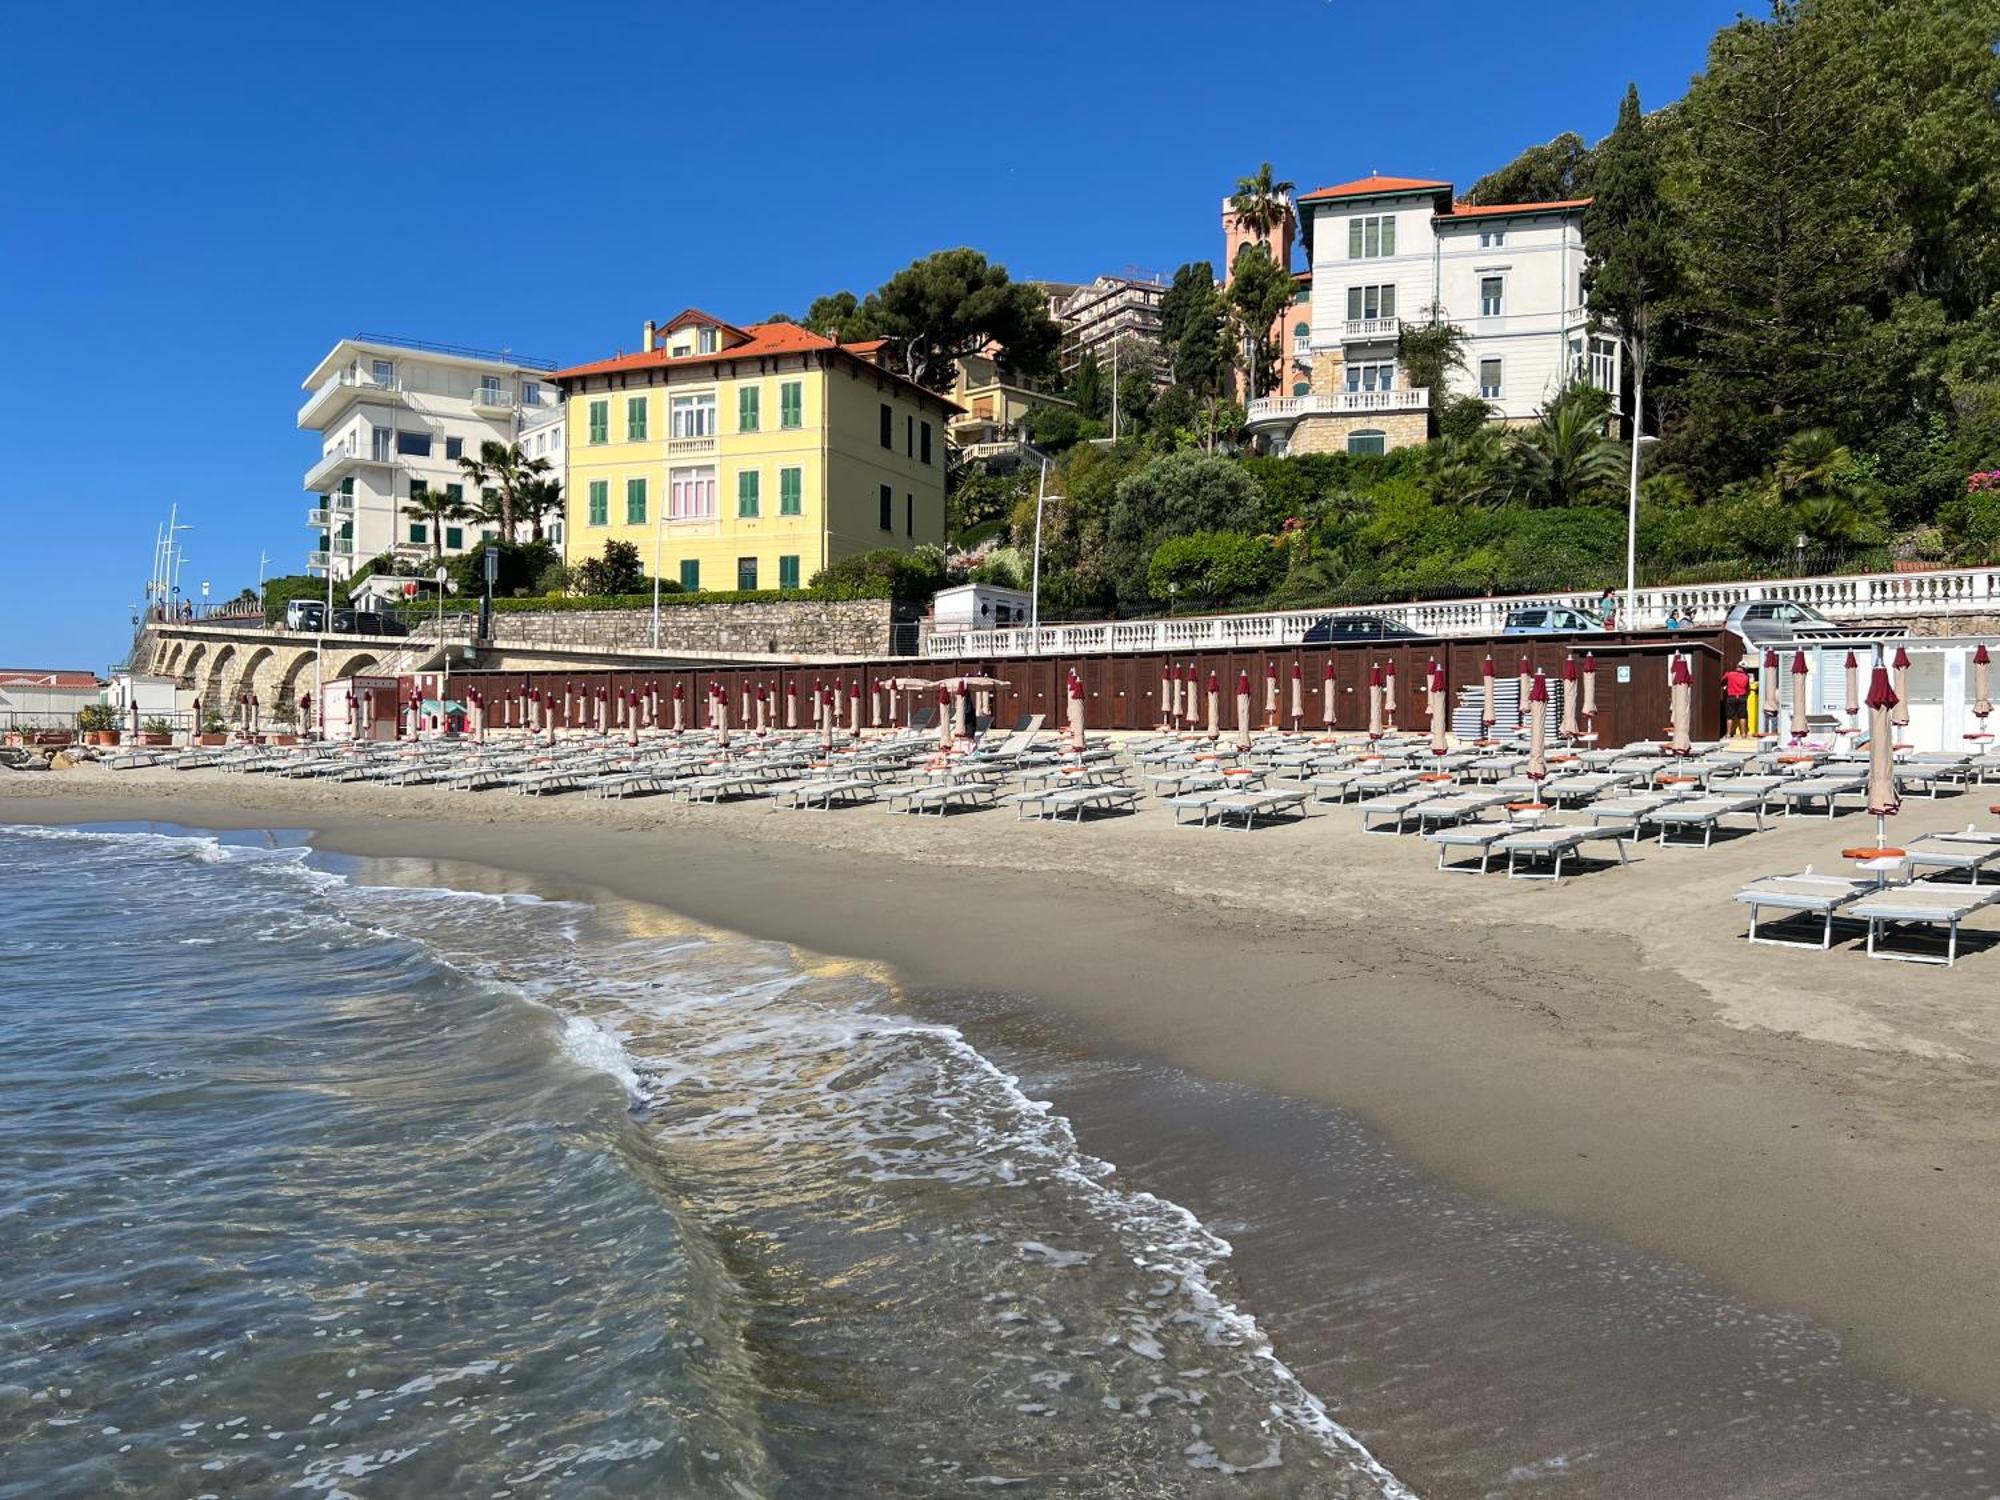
[(1335, 403), (1859, 598), (1370, 330)]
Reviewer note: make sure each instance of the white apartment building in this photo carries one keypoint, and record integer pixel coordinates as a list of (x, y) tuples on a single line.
[(394, 416), (1383, 252)]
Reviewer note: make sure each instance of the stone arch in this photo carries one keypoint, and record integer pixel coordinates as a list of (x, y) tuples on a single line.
[(247, 679), (167, 657), (215, 683), (360, 662), (191, 665), (291, 683)]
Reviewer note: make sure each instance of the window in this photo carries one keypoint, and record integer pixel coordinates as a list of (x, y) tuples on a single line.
[(788, 572), (1368, 440), (747, 414), (693, 416), (635, 419), (1302, 335), (1302, 296), (888, 505), (1370, 302), (1302, 388), (1489, 379), (691, 495), (635, 502), (418, 533), (489, 390), (600, 421), (691, 576), (454, 536), (1491, 293), (1492, 239), (413, 444), (909, 437), (746, 494), (888, 426), (531, 393), (456, 493), (1380, 376), (454, 449), (705, 340), (600, 502), (924, 442), (792, 404), (385, 372), (746, 573), (909, 515), (1372, 238), (791, 492)]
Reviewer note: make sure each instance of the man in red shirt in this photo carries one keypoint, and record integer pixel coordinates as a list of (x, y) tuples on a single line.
[(1735, 703)]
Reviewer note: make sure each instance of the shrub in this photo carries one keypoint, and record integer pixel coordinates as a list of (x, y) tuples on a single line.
[(156, 726), (1213, 566), (617, 572), (521, 564), (96, 716), (882, 573)]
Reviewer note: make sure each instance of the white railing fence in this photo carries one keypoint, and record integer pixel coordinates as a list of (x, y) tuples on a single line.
[(1856, 598)]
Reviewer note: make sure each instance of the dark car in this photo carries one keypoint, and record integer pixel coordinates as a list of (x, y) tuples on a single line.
[(1335, 628), (367, 622)]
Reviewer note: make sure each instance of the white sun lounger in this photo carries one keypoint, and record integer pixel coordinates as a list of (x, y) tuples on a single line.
[(1479, 836), (1818, 895), (1053, 802), (1453, 807), (1554, 845), (822, 792), (1636, 809), (1219, 808), (1924, 903), (1705, 813), (938, 797), (1970, 851), (1583, 786), (1802, 792), (1394, 806)]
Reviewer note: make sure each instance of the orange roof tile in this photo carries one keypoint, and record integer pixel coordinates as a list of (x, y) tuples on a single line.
[(696, 315), (1368, 187), (1499, 210), (758, 339)]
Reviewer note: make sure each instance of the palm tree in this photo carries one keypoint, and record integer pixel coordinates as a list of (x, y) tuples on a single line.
[(1260, 202), (435, 508), (1811, 463), (1826, 499), (542, 500), (503, 469), (1469, 470), (1565, 458)]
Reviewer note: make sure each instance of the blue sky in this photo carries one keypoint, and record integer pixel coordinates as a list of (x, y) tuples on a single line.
[(203, 198)]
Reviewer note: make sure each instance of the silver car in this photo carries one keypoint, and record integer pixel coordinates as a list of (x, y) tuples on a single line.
[(1550, 619), (1764, 621)]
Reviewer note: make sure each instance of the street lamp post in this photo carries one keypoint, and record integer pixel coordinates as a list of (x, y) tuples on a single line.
[(659, 523), (1632, 496)]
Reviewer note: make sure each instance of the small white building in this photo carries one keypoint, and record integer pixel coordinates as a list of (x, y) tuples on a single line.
[(978, 606), (1386, 252), (393, 418)]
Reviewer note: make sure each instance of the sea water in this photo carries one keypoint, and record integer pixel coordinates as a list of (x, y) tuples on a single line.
[(316, 1181)]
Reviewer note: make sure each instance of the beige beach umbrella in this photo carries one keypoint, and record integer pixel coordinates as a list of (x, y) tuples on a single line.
[(1799, 696), (1076, 733), (1883, 800), (1439, 707), (763, 712), (1982, 698), (1389, 693), (1853, 691), (1524, 679), (680, 708), (1901, 717), (1170, 694), (1487, 717), (1375, 701), (1190, 691), (1326, 695), (1570, 728), (1538, 728), (1767, 691), (1681, 692), (1590, 692), (791, 705), (1243, 710), (1298, 697), (1270, 695), (722, 714), (1214, 706)]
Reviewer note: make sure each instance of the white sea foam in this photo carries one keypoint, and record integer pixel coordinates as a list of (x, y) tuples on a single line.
[(592, 1044)]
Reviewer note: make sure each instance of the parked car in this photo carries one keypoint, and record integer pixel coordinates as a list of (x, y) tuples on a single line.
[(366, 622), (306, 614), (1552, 619), (1358, 628), (1764, 621)]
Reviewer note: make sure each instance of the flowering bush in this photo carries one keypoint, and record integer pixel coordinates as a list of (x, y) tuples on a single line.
[(1983, 479)]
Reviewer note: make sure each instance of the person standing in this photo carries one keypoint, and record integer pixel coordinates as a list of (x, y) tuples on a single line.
[(1607, 610), (1735, 702)]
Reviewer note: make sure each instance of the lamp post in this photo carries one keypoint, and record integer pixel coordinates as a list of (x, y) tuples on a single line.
[(1042, 497), (659, 523), (444, 650)]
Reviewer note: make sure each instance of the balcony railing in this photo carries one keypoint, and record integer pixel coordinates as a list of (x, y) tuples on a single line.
[(359, 382), (1275, 410), (682, 445), (319, 518), (1370, 330), (493, 398)]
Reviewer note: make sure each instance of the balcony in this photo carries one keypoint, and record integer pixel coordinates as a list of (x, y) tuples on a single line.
[(492, 398), (330, 400), (1371, 330), (1282, 411), (319, 519), (316, 562), (343, 458), (686, 446)]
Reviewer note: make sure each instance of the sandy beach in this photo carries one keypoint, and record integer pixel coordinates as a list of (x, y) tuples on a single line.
[(1810, 1133)]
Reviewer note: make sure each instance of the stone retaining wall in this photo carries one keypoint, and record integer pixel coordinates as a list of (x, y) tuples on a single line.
[(809, 627)]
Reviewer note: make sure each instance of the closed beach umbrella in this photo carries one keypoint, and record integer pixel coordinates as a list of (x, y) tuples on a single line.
[(1882, 799), (1170, 695), (1270, 695), (1681, 683), (1799, 671), (1982, 700), (944, 717), (1901, 717), (1538, 728), (680, 707), (1590, 691), (1298, 696), (1243, 710), (763, 711), (722, 712), (1487, 717), (791, 705), (1375, 701), (1853, 690), (854, 710), (1326, 695), (1076, 736), (1767, 690), (1214, 706), (1439, 743), (1389, 692), (1570, 729), (1524, 678)]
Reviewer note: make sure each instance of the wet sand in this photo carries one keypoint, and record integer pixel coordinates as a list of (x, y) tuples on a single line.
[(1809, 1134)]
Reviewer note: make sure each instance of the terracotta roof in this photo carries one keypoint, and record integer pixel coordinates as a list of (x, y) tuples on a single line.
[(1369, 187), (758, 339), (1501, 210), (46, 677), (696, 315)]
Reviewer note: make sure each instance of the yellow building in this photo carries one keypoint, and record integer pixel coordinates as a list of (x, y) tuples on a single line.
[(750, 457)]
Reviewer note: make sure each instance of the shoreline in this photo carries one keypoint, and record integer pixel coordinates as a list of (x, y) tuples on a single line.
[(1833, 1176)]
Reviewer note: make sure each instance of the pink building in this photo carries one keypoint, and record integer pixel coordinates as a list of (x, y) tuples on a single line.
[(1293, 330)]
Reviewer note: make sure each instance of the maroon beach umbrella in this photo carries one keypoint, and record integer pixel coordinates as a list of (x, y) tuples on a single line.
[(1375, 701), (1538, 728), (1326, 696), (1767, 690), (1439, 709), (1853, 691), (1570, 727), (1214, 706), (1389, 693), (1681, 683), (1243, 710), (1799, 704), (1487, 717), (1883, 801), (1982, 700), (1298, 696), (1901, 716)]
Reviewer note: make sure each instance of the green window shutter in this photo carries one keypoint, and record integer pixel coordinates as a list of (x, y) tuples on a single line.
[(600, 502), (746, 494), (746, 573), (888, 508), (691, 576), (454, 536), (791, 404), (788, 572), (746, 409), (1354, 239), (635, 502), (791, 492), (600, 421), (417, 532), (635, 419)]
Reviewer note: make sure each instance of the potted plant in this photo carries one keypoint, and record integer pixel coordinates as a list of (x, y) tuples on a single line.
[(212, 729), (286, 718), (98, 724), (156, 732)]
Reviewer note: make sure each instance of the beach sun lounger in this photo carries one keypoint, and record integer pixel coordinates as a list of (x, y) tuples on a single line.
[(1053, 802), (1970, 851), (1705, 813), (1800, 794), (1807, 893), (1479, 836), (1554, 845), (1219, 807), (1923, 903), (1394, 806)]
